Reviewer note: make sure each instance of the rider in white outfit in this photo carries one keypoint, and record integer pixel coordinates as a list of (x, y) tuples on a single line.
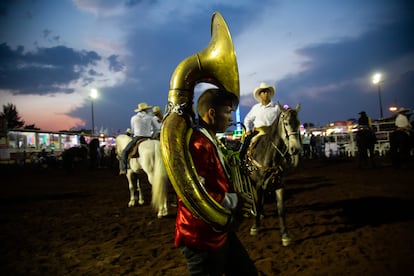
[(262, 114), (265, 111), (142, 125), (401, 121)]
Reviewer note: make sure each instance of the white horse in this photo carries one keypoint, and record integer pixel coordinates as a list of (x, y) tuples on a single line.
[(149, 161)]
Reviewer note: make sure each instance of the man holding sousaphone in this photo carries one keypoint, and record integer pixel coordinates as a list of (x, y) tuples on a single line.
[(208, 207), (206, 249)]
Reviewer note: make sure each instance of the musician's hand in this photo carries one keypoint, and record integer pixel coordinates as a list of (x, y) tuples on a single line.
[(243, 209)]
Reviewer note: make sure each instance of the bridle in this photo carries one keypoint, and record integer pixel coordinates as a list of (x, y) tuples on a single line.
[(285, 137)]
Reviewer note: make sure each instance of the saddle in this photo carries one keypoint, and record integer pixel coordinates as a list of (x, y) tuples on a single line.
[(134, 153), (251, 143)]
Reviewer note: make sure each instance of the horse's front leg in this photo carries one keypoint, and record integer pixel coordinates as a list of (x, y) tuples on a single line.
[(131, 185), (140, 195), (280, 202), (259, 197)]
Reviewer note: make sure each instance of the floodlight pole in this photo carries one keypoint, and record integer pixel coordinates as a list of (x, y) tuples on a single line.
[(93, 120), (93, 95), (376, 79), (379, 99)]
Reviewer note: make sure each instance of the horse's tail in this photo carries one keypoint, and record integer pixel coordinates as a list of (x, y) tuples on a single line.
[(159, 179)]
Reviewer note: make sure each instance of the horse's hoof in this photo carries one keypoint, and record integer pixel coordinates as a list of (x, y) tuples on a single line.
[(162, 213), (254, 230), (141, 202), (286, 240)]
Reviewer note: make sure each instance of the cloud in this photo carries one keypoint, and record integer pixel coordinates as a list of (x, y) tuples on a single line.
[(114, 64), (321, 56), (51, 70), (334, 77)]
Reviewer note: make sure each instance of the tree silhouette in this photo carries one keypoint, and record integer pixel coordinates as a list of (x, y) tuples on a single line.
[(33, 126), (306, 125), (11, 117)]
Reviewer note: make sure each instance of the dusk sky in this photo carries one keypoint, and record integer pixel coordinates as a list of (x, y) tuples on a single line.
[(320, 53)]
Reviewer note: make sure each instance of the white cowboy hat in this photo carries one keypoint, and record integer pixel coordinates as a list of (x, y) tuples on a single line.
[(143, 106), (402, 109), (156, 110), (262, 87)]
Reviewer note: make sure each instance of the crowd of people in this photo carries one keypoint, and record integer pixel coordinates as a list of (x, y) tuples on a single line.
[(313, 145)]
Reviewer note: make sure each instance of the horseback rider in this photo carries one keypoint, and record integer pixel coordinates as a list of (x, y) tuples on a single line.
[(401, 121), (156, 111), (401, 139), (142, 126), (261, 115)]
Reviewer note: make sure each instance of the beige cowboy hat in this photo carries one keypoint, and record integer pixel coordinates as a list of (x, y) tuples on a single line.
[(156, 110), (263, 86), (143, 106), (402, 110)]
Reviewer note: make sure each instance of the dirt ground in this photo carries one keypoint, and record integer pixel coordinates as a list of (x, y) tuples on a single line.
[(345, 220)]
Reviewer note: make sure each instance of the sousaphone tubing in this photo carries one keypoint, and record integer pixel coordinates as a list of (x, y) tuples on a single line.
[(216, 64)]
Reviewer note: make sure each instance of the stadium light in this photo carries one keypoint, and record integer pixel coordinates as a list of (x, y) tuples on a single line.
[(376, 79)]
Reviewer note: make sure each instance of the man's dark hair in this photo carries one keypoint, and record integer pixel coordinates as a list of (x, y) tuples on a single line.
[(215, 98)]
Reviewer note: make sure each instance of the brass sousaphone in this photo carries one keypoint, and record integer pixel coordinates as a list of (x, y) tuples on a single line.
[(216, 64)]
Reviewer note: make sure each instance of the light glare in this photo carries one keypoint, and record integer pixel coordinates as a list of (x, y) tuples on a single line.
[(377, 78), (94, 93)]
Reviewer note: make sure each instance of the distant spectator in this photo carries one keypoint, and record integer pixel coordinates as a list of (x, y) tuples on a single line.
[(318, 146), (313, 145), (365, 139), (364, 121), (306, 145), (82, 140)]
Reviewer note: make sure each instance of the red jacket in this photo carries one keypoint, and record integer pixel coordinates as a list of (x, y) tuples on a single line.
[(190, 230)]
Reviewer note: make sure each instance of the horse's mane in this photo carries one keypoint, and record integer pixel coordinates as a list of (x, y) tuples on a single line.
[(264, 149), (274, 128)]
